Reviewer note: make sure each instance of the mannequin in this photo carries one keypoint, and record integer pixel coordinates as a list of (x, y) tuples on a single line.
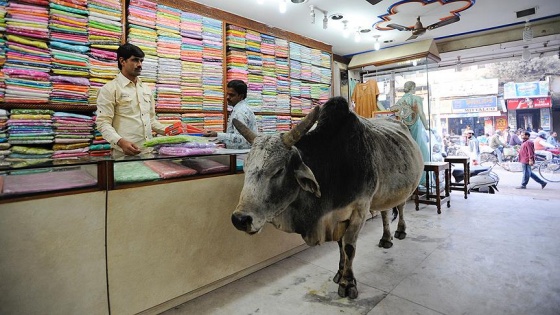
[(409, 110)]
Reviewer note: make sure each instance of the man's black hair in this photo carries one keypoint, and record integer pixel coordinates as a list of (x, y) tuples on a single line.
[(527, 133), (239, 86), (128, 50)]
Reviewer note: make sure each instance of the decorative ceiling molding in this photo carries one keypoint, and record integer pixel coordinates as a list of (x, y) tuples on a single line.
[(406, 11)]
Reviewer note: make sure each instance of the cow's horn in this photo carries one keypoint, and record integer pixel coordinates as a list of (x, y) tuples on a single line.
[(247, 133), (292, 137)]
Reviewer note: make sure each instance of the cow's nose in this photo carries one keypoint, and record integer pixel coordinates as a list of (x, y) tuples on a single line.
[(241, 221)]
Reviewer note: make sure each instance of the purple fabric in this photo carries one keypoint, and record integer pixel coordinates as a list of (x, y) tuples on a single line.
[(49, 181)]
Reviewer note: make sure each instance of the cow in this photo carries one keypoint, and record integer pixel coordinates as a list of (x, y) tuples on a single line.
[(321, 183)]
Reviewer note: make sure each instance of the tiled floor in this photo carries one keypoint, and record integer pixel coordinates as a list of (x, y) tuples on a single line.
[(489, 254)]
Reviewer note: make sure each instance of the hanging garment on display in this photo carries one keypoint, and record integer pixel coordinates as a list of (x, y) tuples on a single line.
[(365, 98)]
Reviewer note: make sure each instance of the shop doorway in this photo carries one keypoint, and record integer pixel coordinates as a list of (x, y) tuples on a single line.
[(528, 118)]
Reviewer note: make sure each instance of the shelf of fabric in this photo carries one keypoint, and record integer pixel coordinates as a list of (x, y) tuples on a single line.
[(65, 107)]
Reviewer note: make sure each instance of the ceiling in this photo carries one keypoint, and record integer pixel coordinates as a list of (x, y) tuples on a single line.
[(476, 18)]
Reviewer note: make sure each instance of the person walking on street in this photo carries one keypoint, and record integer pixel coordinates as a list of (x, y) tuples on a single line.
[(527, 159)]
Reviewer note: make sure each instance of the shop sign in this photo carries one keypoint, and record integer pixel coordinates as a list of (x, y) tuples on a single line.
[(466, 88), (522, 103), (526, 89), (477, 104), (501, 123)]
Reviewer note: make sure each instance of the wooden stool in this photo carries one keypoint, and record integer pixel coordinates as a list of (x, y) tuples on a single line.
[(429, 197), (464, 186)]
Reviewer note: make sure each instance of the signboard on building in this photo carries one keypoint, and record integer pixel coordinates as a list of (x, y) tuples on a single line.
[(477, 104), (524, 103), (526, 89), (465, 88)]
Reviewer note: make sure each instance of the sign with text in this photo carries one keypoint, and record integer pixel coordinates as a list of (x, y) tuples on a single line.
[(524, 103), (477, 104), (465, 88), (526, 89)]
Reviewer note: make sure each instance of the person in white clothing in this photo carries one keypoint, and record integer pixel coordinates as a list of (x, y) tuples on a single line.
[(125, 106)]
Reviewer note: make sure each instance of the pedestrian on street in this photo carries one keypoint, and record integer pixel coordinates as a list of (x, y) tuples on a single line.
[(527, 159)]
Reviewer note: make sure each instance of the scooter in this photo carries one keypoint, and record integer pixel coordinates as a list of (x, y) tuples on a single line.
[(482, 179)]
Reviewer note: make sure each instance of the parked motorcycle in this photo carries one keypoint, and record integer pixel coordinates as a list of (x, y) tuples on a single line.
[(482, 179)]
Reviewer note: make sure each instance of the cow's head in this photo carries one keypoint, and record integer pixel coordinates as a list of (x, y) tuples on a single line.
[(274, 175)]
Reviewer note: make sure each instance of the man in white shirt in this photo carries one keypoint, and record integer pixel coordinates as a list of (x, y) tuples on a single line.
[(125, 106), (236, 94)]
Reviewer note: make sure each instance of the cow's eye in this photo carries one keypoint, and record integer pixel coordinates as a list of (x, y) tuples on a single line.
[(280, 171)]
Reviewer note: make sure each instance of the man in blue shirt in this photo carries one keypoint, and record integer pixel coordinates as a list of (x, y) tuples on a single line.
[(236, 94), (552, 139)]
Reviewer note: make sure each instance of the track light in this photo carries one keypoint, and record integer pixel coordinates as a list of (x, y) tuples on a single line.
[(377, 44), (325, 20), (527, 32), (526, 54), (312, 13), (282, 6)]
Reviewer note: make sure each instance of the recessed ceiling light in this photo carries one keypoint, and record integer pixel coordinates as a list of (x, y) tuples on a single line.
[(336, 16), (365, 30), (299, 1)]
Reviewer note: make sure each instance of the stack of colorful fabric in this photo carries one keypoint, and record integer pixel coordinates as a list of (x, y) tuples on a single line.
[(214, 122), (237, 66), (27, 35), (168, 86), (30, 126), (195, 120), (168, 118), (191, 61), (69, 45), (22, 156), (104, 34), (4, 145), (281, 48), (212, 81), (142, 33), (73, 129), (3, 4), (99, 146)]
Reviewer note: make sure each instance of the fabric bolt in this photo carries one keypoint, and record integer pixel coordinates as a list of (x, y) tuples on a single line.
[(169, 169)]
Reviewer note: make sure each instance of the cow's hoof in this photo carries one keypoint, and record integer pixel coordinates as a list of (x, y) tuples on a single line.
[(385, 244), (350, 291), (337, 277), (400, 235)]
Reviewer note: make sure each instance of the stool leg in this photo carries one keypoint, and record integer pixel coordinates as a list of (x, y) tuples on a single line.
[(448, 187), (417, 198), (438, 192)]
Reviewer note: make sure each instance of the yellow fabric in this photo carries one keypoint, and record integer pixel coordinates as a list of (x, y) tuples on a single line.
[(365, 98)]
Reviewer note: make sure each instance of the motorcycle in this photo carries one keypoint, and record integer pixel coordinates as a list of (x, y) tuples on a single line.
[(482, 179)]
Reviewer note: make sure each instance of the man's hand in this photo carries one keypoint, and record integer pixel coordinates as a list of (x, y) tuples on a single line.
[(208, 133), (128, 147), (531, 162)]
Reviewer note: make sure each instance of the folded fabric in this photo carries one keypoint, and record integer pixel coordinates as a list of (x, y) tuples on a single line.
[(48, 181), (205, 166), (131, 172), (169, 169)]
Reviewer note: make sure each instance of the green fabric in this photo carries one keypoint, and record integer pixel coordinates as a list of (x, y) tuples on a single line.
[(30, 150), (132, 172), (172, 139), (32, 111)]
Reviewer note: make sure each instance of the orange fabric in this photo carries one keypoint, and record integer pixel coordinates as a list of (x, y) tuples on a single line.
[(365, 98)]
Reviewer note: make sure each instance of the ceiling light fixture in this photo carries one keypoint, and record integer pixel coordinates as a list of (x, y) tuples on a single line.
[(526, 54), (357, 37), (527, 32), (345, 32), (312, 13), (459, 65), (260, 1), (377, 44), (415, 62), (282, 6), (325, 20)]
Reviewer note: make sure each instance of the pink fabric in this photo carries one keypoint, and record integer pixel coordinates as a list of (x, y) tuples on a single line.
[(205, 166), (49, 181), (169, 169)]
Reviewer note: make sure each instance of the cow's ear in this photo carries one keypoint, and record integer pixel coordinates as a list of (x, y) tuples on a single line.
[(306, 179)]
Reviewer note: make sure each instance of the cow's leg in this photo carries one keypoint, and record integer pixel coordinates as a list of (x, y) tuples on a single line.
[(347, 284), (338, 275), (386, 239), (400, 233)]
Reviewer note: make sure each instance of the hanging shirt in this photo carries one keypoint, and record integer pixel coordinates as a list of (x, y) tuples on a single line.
[(365, 98), (232, 138), (126, 110)]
